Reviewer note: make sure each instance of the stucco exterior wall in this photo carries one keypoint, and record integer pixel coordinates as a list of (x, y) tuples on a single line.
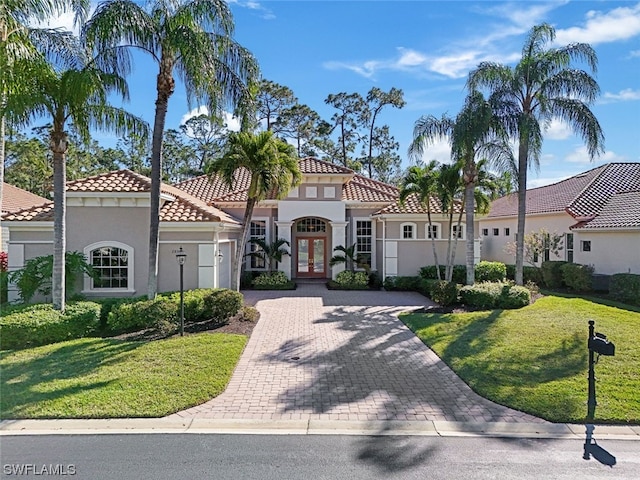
[(494, 245), (611, 252)]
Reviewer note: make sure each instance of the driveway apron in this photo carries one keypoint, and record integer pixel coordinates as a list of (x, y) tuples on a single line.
[(343, 355)]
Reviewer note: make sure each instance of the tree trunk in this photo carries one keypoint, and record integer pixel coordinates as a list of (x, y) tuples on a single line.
[(523, 150), (449, 269), (433, 244), (470, 231), (59, 144), (246, 228), (2, 144), (165, 86)]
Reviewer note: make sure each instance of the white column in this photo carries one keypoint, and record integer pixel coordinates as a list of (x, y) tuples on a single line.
[(284, 231), (339, 237)]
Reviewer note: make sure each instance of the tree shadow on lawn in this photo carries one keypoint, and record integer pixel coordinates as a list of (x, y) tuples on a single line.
[(384, 363), (514, 371), (23, 379)]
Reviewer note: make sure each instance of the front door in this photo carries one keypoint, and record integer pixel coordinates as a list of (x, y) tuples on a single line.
[(311, 257)]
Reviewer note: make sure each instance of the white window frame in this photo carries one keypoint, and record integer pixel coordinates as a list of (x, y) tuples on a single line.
[(463, 231), (88, 281), (247, 247), (414, 231), (427, 233), (354, 222)]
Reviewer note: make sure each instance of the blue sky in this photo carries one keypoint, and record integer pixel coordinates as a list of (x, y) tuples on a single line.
[(427, 48)]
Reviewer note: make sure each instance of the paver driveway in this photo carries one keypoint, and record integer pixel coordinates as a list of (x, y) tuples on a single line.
[(343, 355)]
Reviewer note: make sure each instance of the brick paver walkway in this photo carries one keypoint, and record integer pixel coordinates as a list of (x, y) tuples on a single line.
[(339, 355)]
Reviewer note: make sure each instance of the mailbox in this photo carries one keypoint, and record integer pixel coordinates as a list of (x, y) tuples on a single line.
[(600, 345)]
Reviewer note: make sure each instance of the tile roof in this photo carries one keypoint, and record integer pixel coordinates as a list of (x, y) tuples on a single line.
[(622, 210), (311, 165), (413, 206), (583, 195), (15, 199), (184, 207)]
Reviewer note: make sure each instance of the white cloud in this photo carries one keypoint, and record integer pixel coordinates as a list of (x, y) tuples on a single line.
[(541, 182), (253, 5), (626, 95), (580, 155), (557, 130), (439, 150), (522, 14), (63, 22), (621, 23), (231, 123), (634, 53)]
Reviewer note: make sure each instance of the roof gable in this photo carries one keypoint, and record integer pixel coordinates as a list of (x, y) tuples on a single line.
[(15, 199)]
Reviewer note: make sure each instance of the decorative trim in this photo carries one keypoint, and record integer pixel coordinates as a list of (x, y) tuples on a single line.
[(88, 282)]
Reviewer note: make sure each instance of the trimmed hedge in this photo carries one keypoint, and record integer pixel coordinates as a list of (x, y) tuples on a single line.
[(444, 293), (459, 273), (577, 277), (490, 295), (552, 274), (163, 312), (490, 272), (270, 279), (356, 280), (35, 325), (625, 287), (411, 284)]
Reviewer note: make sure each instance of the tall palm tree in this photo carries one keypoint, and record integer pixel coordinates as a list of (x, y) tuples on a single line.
[(450, 192), (542, 86), (422, 182), (475, 131), (274, 170), (191, 38), (23, 48), (79, 96)]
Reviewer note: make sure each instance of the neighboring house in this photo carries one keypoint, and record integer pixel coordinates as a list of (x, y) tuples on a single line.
[(108, 220), (15, 199), (597, 212)]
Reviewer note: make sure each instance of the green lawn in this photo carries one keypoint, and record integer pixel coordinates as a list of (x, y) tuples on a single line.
[(106, 378), (536, 360)]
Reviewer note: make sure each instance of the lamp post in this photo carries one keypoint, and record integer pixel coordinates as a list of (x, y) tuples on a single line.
[(181, 257)]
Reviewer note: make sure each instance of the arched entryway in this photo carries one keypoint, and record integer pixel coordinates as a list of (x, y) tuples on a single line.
[(311, 240)]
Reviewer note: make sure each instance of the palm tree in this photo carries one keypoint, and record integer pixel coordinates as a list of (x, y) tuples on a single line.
[(450, 191), (350, 258), (474, 131), (274, 171), (542, 86), (269, 252), (192, 38), (421, 181), (78, 96), (22, 48)]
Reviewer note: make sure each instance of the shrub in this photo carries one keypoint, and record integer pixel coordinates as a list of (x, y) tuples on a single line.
[(375, 282), (490, 272), (514, 296), (157, 314), (107, 304), (489, 295), (34, 325), (347, 279), (625, 287), (529, 274), (431, 273), (249, 314), (552, 274), (194, 303), (222, 304), (444, 293), (402, 283), (270, 279), (577, 277), (483, 296)]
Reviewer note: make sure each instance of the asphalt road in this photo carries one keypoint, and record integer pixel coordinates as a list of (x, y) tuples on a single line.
[(280, 457)]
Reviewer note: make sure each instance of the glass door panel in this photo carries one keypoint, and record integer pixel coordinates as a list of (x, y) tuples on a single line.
[(318, 255), (303, 255)]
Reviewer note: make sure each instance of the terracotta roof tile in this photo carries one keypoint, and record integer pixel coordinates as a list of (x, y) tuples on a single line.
[(15, 199), (413, 206), (622, 210), (311, 165), (209, 190), (364, 189), (184, 207)]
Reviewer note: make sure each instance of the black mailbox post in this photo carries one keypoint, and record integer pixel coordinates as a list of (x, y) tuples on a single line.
[(599, 344)]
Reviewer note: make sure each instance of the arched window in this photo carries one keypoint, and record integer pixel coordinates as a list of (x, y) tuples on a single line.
[(311, 225), (113, 264)]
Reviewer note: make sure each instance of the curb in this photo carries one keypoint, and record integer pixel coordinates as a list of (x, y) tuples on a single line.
[(314, 427)]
